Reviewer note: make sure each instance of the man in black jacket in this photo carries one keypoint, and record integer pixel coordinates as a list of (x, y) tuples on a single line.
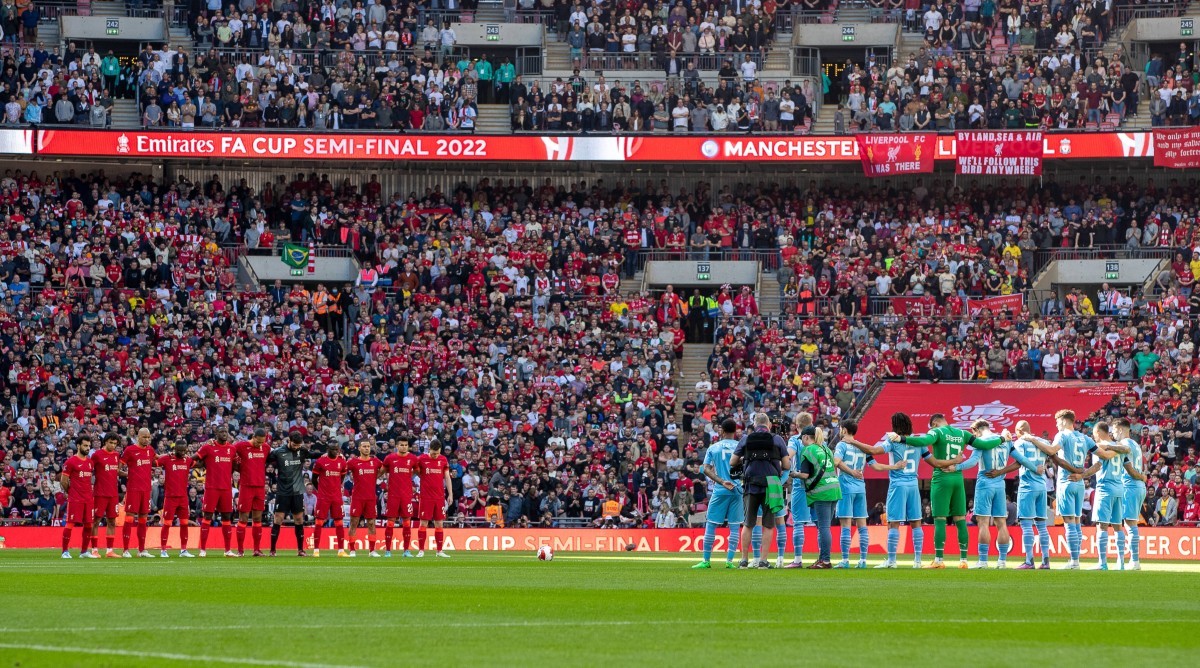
[(764, 455)]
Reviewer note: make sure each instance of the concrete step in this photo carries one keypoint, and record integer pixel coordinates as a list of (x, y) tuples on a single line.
[(493, 119), (125, 114), (108, 8)]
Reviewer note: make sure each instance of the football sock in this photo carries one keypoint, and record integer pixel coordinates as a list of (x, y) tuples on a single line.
[(780, 540), (183, 534), (735, 540), (87, 536), (710, 537), (241, 536), (1044, 540), (918, 539), (939, 537), (299, 529), (439, 537), (1075, 539), (256, 534), (1102, 545), (1003, 549), (341, 536), (1135, 544), (126, 533), (141, 533), (864, 543), (1119, 538), (1027, 539), (205, 527), (983, 552), (317, 529), (163, 535), (964, 538), (109, 539), (67, 537), (844, 540), (798, 540), (756, 541), (893, 543), (275, 536), (227, 534), (422, 535), (389, 532), (406, 534)]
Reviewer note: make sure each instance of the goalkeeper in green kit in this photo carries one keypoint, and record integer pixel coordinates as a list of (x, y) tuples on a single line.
[(947, 494)]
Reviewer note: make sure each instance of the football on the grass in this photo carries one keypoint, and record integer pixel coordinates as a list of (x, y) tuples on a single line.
[(545, 553)]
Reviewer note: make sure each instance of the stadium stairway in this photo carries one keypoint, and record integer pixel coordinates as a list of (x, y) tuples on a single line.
[(49, 34), (493, 119), (125, 114), (768, 295), (687, 372), (109, 8)]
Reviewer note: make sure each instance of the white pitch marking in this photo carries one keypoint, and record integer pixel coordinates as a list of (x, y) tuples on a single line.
[(168, 656)]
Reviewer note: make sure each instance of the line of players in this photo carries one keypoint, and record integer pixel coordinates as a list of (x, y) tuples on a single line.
[(91, 481), (1117, 462)]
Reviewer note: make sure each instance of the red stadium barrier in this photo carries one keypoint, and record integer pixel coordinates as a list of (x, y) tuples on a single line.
[(1002, 403), (1157, 543), (632, 148)]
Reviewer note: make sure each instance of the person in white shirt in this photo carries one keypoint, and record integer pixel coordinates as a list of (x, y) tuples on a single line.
[(679, 116), (1050, 364), (749, 69)]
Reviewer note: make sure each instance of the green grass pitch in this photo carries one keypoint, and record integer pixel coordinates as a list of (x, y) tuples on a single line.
[(481, 609)]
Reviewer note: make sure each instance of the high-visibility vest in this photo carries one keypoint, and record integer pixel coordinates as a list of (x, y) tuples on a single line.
[(321, 302)]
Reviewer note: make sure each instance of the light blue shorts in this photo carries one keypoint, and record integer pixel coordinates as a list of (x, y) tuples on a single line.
[(726, 508), (1131, 503), (1110, 506), (1031, 504), (799, 505), (990, 501), (904, 503), (852, 505)]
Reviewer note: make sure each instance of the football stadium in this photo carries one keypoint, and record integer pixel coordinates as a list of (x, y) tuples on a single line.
[(360, 333)]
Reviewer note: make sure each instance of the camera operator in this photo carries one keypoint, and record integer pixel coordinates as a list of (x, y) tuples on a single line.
[(764, 455)]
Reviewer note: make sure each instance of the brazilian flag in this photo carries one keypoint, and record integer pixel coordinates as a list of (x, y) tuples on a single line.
[(295, 256)]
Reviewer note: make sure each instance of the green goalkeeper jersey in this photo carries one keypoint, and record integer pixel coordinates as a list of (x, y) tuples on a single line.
[(949, 442)]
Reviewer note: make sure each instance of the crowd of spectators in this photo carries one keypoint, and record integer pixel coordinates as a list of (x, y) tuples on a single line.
[(492, 317)]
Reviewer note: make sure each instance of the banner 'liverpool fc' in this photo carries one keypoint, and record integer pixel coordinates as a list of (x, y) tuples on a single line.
[(999, 152), (892, 154)]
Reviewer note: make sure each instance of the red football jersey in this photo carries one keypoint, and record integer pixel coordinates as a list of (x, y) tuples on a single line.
[(141, 465), (365, 474), (217, 459), (106, 466), (433, 476), (400, 469), (329, 473), (175, 483), (79, 472), (252, 463)]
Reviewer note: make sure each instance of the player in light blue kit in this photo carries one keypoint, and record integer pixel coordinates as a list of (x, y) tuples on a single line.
[(1134, 483), (1109, 468), (850, 459), (991, 508), (1030, 454), (903, 496), (725, 505), (1073, 448), (797, 497)]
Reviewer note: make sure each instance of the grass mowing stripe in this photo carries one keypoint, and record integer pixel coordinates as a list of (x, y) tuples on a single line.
[(168, 656)]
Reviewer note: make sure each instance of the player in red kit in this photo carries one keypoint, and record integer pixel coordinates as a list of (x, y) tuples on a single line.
[(252, 488), (76, 479), (329, 470), (436, 496), (138, 460), (365, 470), (177, 468), (400, 467), (107, 493), (217, 459)]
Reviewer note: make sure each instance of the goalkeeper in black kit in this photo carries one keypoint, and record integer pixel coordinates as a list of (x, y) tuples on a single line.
[(288, 461)]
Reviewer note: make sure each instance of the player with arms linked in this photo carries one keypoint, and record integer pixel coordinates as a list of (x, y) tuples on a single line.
[(436, 495), (288, 462), (903, 495), (252, 488), (1134, 492), (138, 462), (365, 470), (400, 466), (725, 505), (177, 468), (217, 457), (329, 471)]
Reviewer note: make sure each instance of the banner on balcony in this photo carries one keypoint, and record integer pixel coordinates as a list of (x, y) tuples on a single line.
[(1177, 148), (895, 154), (997, 304), (999, 153)]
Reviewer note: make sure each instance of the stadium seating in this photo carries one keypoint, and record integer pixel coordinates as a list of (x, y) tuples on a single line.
[(543, 372)]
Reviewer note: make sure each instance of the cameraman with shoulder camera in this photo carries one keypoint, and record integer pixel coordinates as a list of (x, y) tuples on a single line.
[(765, 457)]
